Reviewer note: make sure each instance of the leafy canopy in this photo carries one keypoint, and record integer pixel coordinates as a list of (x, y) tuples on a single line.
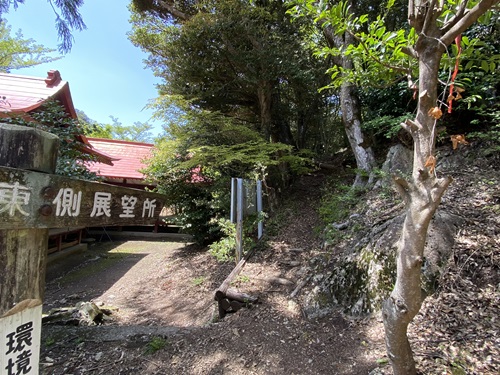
[(138, 132), (243, 61), (68, 18), (383, 55), (16, 52)]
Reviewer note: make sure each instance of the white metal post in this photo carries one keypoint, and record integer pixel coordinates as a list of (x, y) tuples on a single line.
[(239, 220), (260, 229)]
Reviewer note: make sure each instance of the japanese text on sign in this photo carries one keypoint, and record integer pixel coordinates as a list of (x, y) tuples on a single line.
[(20, 342), (13, 198)]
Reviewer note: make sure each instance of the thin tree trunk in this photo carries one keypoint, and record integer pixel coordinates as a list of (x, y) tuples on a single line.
[(422, 196), (351, 114), (351, 117), (281, 131), (264, 93), (351, 111)]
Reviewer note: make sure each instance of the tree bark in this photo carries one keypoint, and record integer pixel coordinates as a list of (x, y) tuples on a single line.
[(422, 195), (351, 117), (264, 93), (351, 112)]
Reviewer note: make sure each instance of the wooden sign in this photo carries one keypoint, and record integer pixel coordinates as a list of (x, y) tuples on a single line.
[(38, 200), (20, 339)]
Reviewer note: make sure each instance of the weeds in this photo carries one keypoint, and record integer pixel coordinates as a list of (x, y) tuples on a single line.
[(197, 281), (338, 202), (156, 343)]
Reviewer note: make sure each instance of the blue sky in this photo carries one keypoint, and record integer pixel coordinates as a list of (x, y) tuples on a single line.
[(106, 73)]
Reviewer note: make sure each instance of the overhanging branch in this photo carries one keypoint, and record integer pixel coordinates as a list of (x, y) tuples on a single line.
[(460, 13), (410, 126), (467, 20), (433, 12), (173, 10)]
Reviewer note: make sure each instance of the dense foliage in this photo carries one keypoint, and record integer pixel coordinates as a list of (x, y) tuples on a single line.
[(235, 98), (235, 59), (241, 83), (193, 166)]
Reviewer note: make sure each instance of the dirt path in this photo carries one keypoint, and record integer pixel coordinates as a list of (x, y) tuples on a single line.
[(167, 323)]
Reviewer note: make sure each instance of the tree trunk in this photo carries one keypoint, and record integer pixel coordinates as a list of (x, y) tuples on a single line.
[(280, 125), (422, 196), (264, 93), (351, 117)]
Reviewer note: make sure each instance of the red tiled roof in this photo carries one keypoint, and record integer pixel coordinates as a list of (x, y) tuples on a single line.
[(23, 94), (127, 158)]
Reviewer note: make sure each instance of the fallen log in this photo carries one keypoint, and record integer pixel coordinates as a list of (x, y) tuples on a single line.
[(225, 284), (224, 304), (235, 295), (225, 295), (300, 286)]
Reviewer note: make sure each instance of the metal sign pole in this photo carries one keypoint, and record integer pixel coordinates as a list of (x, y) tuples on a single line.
[(260, 228), (239, 220), (234, 204)]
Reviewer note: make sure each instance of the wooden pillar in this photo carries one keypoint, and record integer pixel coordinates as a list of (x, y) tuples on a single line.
[(23, 251)]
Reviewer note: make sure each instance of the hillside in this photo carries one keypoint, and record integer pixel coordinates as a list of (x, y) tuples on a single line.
[(457, 328)]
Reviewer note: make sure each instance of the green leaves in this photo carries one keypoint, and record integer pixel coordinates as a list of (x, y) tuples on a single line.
[(17, 52), (67, 18), (379, 54)]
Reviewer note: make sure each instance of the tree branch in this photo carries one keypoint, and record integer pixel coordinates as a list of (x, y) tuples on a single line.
[(415, 15), (430, 17), (410, 52), (331, 40), (410, 126), (411, 12), (440, 187), (461, 10), (403, 187), (467, 20), (173, 10), (375, 58)]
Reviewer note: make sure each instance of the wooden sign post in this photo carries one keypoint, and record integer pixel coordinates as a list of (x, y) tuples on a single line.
[(32, 200), (23, 255)]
